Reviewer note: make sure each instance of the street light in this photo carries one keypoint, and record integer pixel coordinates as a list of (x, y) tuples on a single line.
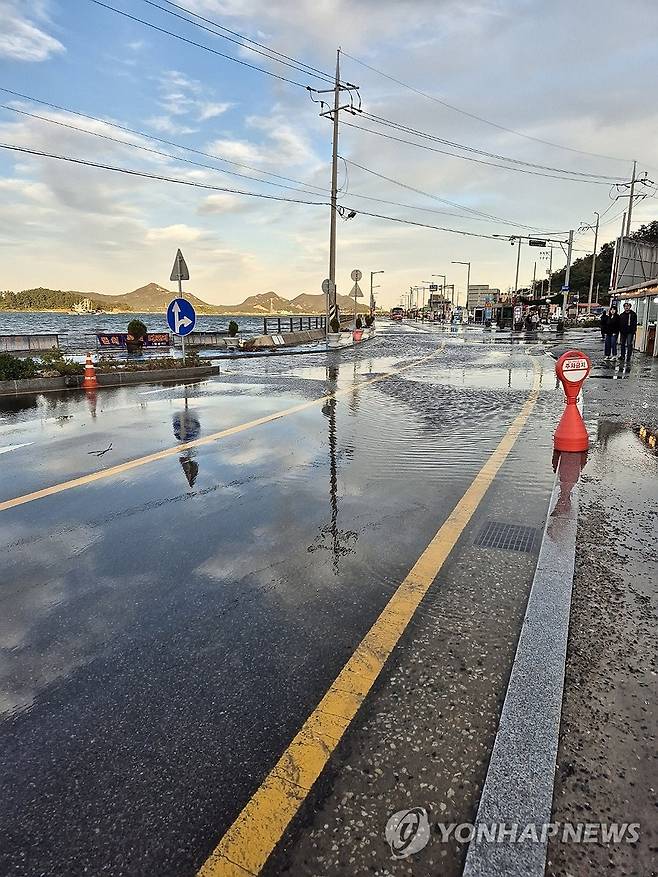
[(468, 278), (372, 274)]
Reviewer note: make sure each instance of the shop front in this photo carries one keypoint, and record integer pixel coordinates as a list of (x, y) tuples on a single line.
[(644, 301)]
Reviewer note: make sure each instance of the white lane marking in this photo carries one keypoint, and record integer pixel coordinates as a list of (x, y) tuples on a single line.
[(174, 387), (8, 448)]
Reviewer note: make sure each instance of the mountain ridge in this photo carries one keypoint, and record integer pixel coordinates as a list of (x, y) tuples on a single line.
[(153, 298)]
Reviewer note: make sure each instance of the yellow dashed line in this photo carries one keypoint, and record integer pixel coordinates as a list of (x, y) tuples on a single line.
[(251, 839)]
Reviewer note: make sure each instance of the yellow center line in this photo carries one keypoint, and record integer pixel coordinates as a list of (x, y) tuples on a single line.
[(196, 443), (249, 842)]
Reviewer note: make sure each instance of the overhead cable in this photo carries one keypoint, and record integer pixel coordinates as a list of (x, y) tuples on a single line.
[(463, 112)]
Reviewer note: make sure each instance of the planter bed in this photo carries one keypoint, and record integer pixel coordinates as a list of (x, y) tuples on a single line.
[(109, 379)]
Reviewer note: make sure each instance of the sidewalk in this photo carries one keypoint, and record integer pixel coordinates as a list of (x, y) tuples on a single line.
[(608, 758)]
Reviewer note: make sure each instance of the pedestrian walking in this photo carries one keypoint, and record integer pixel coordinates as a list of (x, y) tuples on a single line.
[(611, 334), (604, 324), (627, 330)]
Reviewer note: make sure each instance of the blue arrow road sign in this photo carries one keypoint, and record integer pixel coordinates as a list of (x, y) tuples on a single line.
[(181, 316)]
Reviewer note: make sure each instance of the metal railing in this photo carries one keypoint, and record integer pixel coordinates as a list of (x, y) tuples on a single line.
[(279, 325)]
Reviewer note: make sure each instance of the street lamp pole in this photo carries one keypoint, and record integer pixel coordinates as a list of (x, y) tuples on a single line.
[(372, 274), (468, 279)]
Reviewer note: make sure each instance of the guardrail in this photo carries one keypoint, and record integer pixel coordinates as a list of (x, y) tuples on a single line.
[(28, 343), (292, 324)]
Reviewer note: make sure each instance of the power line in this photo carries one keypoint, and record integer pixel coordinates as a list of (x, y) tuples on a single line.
[(426, 209), (247, 39), (409, 130), (472, 234), (455, 204), (484, 218), (158, 177), (138, 133), (199, 45), (268, 53), (476, 160), (481, 118), (207, 187), (150, 150)]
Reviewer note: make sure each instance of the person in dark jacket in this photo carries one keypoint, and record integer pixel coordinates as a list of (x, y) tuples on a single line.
[(611, 333), (627, 330), (604, 324)]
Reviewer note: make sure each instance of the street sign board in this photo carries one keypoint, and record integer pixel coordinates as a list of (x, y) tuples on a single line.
[(434, 287), (356, 291), (181, 317), (535, 243), (356, 275), (327, 286), (180, 270), (575, 368), (565, 288)]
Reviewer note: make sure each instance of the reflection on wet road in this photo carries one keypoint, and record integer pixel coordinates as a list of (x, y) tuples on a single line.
[(166, 631)]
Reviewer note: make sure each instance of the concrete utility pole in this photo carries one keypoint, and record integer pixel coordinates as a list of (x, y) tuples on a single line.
[(567, 274), (591, 276), (550, 271), (518, 262), (630, 201), (334, 196), (615, 259)]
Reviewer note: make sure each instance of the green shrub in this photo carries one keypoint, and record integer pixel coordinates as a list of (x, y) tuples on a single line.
[(334, 325), (14, 369), (233, 328), (53, 361), (137, 329)]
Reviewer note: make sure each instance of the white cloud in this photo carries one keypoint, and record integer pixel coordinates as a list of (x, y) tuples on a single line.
[(166, 125), (21, 39), (210, 109), (223, 202), (237, 150), (181, 233)]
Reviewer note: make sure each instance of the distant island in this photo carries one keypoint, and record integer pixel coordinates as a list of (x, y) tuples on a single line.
[(153, 298)]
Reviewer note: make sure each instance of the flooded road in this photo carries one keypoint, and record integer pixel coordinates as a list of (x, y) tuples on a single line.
[(186, 569)]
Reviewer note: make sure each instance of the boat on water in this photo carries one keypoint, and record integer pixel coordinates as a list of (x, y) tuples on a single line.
[(85, 307)]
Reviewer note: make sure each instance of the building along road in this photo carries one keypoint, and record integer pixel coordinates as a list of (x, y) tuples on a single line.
[(187, 571)]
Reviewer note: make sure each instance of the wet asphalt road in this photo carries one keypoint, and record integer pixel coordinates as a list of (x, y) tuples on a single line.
[(165, 632)]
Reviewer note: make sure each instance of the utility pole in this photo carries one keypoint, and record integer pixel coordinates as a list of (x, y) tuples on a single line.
[(567, 274), (334, 196), (518, 262), (591, 276), (534, 278), (550, 271), (617, 253), (630, 201)]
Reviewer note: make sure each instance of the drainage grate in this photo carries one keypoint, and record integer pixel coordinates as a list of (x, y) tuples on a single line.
[(509, 537)]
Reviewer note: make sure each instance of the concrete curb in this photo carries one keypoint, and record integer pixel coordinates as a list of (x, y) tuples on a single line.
[(519, 785), (111, 379)]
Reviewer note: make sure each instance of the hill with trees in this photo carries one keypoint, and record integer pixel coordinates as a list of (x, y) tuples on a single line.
[(581, 268), (154, 298)]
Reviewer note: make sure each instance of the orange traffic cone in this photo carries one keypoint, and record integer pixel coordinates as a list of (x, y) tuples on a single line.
[(90, 382)]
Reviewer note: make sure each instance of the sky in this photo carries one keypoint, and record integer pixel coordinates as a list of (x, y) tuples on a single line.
[(576, 76)]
